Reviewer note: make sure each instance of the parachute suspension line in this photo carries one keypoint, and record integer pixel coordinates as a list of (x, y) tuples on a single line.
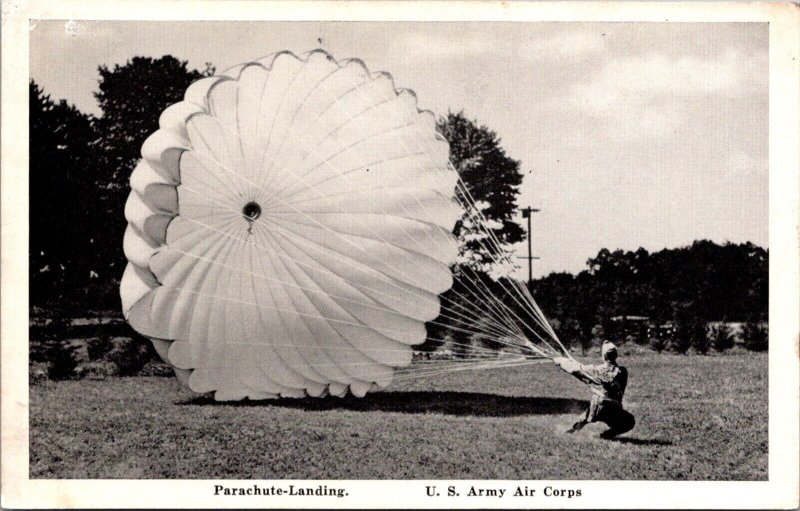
[(408, 374), (527, 309), (498, 249), (481, 224), (503, 308), (476, 366), (511, 320), (526, 293), (290, 241), (477, 354), (532, 309)]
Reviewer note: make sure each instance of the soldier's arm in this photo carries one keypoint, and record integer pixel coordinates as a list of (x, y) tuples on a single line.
[(580, 371)]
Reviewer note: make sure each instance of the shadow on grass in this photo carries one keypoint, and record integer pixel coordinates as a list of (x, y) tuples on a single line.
[(449, 403), (640, 441)]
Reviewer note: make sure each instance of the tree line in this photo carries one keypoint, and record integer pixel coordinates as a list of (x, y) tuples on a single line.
[(727, 282), (672, 295)]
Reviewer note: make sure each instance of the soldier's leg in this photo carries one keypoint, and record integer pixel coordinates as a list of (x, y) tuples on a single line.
[(580, 424), (619, 420)]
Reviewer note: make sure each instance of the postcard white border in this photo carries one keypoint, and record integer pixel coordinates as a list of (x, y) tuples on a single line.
[(780, 491)]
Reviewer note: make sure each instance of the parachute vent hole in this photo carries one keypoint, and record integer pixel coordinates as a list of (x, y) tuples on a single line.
[(251, 211)]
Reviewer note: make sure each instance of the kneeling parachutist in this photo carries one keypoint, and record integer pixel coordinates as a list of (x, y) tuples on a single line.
[(607, 382)]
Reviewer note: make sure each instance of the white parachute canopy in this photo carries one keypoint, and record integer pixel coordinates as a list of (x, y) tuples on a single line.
[(290, 230)]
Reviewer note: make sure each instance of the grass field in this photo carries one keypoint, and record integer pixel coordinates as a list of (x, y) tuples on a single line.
[(698, 418)]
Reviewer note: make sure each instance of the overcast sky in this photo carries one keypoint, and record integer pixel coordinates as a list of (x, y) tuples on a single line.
[(630, 134)]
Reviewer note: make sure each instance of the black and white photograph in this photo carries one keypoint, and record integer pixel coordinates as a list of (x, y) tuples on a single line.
[(508, 262)]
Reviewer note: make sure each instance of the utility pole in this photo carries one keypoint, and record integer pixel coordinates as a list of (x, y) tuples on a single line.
[(527, 213)]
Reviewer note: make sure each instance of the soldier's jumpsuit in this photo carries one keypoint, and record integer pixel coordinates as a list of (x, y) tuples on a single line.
[(607, 382)]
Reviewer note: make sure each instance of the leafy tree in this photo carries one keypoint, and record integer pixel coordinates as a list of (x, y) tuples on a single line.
[(569, 332), (755, 336), (492, 179), (61, 191), (721, 337), (556, 294), (489, 174), (132, 98), (586, 325), (79, 169), (691, 330)]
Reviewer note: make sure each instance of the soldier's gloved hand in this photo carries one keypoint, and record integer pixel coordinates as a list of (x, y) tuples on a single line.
[(567, 364)]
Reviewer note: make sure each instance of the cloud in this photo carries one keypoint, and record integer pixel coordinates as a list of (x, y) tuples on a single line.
[(653, 92), (478, 41), (570, 45), (652, 76), (439, 46), (740, 163)]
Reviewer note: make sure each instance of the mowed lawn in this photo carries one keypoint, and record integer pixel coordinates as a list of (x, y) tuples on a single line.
[(698, 418)]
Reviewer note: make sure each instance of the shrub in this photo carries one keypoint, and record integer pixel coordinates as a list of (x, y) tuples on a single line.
[(690, 332), (129, 355), (699, 337), (755, 336), (658, 343), (156, 367), (62, 359), (98, 347), (462, 347), (659, 337), (97, 370), (37, 373), (682, 341), (721, 337), (38, 350), (586, 343)]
